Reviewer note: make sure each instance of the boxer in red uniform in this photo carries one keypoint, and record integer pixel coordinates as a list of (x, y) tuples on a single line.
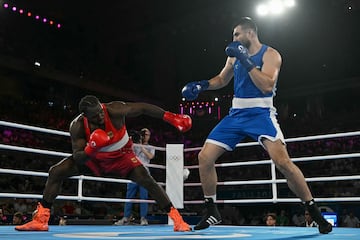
[(101, 143)]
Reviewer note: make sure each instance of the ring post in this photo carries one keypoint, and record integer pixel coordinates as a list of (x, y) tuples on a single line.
[(174, 175)]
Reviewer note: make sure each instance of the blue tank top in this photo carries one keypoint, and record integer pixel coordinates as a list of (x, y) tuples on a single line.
[(243, 85)]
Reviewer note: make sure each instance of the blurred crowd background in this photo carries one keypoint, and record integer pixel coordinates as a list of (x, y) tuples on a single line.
[(148, 57)]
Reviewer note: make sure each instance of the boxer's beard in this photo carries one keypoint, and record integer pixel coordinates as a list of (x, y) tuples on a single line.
[(246, 43)]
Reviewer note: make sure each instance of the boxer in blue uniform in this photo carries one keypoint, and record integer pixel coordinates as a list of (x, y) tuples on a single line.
[(255, 68)]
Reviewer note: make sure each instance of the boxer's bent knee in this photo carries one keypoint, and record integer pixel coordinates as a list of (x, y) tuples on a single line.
[(63, 169), (141, 176)]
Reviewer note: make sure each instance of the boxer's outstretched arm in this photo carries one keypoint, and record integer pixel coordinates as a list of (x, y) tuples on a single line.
[(182, 122), (135, 109)]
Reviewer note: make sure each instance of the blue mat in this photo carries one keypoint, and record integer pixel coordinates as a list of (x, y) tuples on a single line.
[(166, 232)]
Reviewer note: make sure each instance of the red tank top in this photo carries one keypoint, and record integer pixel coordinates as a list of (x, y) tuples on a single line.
[(119, 143)]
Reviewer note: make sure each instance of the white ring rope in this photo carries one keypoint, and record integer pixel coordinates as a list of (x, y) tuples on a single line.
[(80, 178), (38, 129), (272, 181), (296, 139), (33, 150), (43, 174)]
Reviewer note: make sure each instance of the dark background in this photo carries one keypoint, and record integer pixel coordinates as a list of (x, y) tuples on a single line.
[(149, 49)]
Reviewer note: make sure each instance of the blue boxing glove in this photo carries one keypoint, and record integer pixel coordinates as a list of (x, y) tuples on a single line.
[(191, 90), (235, 49)]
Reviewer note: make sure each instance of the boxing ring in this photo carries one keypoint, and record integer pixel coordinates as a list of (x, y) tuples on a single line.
[(164, 231)]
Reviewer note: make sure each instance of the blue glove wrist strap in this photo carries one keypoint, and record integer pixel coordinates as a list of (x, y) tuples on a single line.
[(204, 84), (248, 64)]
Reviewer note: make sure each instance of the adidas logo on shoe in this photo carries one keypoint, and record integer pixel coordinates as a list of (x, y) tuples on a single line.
[(212, 220)]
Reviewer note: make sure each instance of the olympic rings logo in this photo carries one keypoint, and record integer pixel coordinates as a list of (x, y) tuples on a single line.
[(174, 157)]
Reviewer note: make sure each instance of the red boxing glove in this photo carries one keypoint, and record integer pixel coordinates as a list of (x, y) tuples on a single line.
[(97, 140), (181, 121)]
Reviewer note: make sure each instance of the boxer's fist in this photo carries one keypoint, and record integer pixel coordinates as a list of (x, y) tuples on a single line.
[(182, 122), (235, 49), (97, 140), (191, 90)]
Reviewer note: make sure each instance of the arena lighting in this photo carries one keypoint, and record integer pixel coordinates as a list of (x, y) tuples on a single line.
[(21, 11), (274, 7), (202, 109), (289, 3), (262, 10)]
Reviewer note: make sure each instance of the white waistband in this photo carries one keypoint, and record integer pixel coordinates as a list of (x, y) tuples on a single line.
[(116, 146), (252, 102)]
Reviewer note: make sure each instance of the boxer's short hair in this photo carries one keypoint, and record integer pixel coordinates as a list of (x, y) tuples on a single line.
[(89, 101), (247, 23)]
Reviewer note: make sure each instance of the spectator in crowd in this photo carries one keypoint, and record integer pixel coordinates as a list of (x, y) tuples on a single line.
[(145, 153), (17, 218), (271, 219), (309, 222), (351, 221), (342, 217), (298, 219), (68, 208), (3, 218), (282, 219), (20, 205)]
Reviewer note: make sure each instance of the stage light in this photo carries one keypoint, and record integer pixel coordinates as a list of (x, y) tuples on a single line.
[(262, 10), (29, 14), (274, 7), (289, 3)]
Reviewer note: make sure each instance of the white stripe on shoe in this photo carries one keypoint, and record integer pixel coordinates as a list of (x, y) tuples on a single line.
[(212, 220)]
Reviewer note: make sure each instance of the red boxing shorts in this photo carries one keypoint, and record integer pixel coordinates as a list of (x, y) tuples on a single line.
[(121, 165)]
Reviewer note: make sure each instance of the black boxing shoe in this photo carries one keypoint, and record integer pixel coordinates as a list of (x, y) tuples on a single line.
[(211, 215), (324, 226)]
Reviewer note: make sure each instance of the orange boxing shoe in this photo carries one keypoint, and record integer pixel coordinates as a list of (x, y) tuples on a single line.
[(179, 224), (39, 222)]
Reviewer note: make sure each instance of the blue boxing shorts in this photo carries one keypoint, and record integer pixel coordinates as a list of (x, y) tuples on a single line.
[(257, 123)]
